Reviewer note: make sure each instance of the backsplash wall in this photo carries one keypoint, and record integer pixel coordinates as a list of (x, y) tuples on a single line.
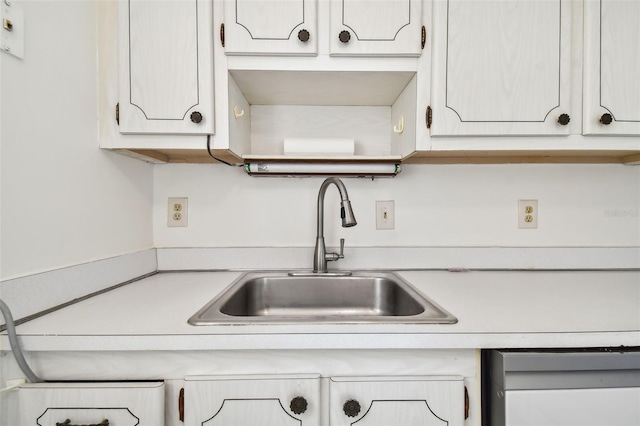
[(435, 205)]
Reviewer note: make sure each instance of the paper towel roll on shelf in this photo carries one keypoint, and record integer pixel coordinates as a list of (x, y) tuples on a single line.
[(319, 146)]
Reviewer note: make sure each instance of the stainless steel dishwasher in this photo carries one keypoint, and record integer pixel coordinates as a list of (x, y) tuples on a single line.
[(591, 387)]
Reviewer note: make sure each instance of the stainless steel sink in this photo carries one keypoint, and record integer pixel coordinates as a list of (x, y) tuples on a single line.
[(363, 297)]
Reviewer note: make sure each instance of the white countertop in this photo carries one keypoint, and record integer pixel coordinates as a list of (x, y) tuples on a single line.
[(495, 309)]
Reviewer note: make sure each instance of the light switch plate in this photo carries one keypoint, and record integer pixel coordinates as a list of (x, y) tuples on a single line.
[(12, 31), (385, 215)]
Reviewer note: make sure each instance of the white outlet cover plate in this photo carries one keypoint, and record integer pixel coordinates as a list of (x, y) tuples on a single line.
[(522, 213), (184, 210)]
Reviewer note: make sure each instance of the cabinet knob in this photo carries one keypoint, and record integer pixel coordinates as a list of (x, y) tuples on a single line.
[(196, 117), (303, 36), (606, 119), (298, 405), (564, 119), (351, 408), (344, 36)]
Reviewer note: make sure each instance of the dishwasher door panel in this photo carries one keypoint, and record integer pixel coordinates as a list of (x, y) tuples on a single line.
[(569, 407)]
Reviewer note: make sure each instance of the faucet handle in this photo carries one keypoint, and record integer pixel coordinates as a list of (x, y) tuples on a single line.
[(341, 254)]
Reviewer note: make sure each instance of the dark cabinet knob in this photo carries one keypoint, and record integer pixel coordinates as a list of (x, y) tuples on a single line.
[(303, 36), (351, 408), (298, 405), (606, 119), (196, 117), (344, 36), (564, 119)]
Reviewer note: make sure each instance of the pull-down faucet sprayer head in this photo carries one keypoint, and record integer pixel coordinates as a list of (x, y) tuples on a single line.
[(346, 213)]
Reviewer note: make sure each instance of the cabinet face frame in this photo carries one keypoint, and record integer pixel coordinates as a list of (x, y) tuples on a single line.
[(150, 82), (449, 121), (250, 30), (610, 89)]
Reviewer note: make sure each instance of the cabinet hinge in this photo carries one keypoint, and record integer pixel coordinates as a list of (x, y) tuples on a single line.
[(429, 117), (423, 38), (118, 113), (181, 405), (466, 403), (222, 34)]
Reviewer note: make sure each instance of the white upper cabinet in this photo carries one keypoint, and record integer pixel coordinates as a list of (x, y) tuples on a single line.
[(166, 67), (264, 27), (290, 27), (501, 67), (612, 67), (374, 28)]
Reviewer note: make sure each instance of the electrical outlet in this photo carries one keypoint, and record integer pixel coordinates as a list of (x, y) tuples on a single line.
[(527, 214), (385, 215), (177, 212)]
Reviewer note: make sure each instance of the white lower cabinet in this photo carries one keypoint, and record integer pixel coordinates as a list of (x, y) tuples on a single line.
[(252, 400), (311, 400), (397, 401), (71, 404)]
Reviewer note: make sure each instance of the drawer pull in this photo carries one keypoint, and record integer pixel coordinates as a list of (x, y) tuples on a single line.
[(67, 422)]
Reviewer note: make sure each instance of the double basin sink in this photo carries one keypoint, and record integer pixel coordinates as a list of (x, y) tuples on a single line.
[(281, 298)]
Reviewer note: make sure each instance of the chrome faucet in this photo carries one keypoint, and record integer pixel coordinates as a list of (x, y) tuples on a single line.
[(320, 255)]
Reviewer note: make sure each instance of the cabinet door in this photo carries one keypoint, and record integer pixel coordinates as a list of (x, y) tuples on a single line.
[(397, 401), (612, 67), (166, 66), (501, 67), (252, 400), (270, 27), (122, 404), (378, 28)]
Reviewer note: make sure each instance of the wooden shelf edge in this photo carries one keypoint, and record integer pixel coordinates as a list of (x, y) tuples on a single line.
[(523, 157), (195, 156), (419, 157), (632, 160)]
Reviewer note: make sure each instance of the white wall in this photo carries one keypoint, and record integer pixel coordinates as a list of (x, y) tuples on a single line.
[(63, 201), (446, 205)]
